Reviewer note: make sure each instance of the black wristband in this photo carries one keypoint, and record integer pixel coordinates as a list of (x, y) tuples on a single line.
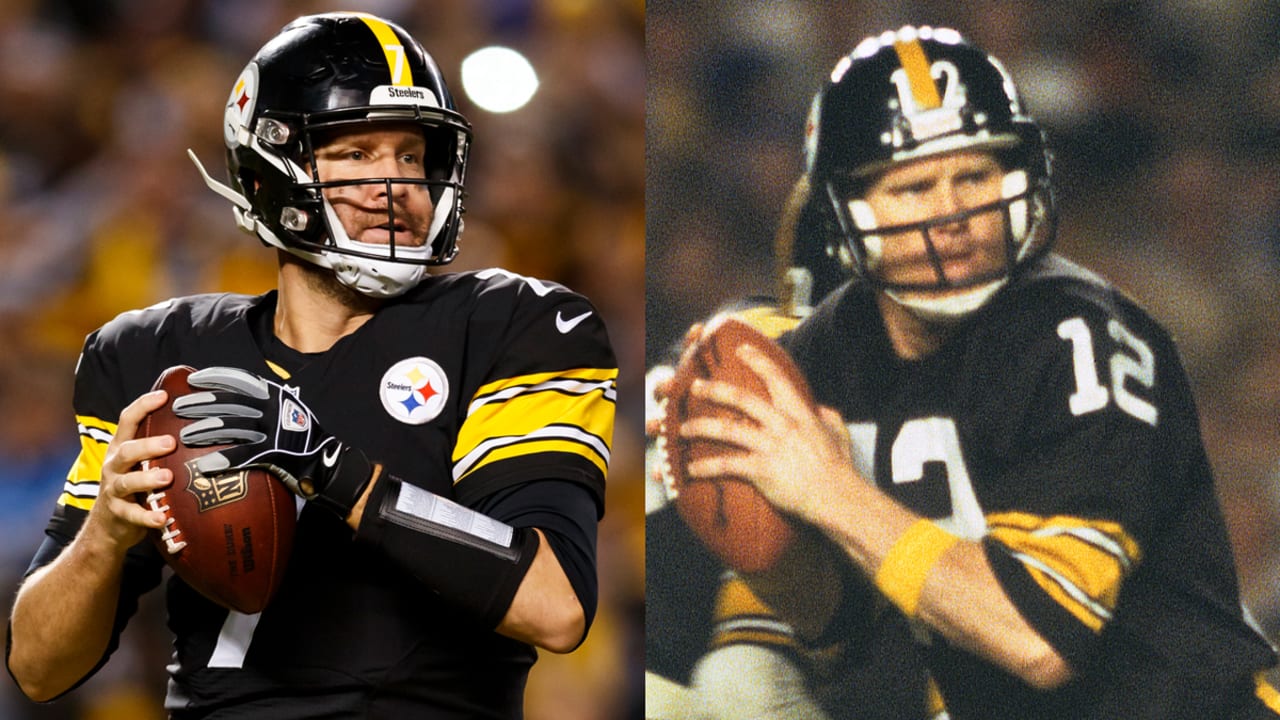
[(468, 558)]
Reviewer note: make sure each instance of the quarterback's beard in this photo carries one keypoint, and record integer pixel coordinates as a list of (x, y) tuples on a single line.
[(322, 282)]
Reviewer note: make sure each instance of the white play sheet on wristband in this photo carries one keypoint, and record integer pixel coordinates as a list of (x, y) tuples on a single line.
[(442, 511)]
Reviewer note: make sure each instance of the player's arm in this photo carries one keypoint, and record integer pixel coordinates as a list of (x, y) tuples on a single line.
[(64, 613), (545, 611), (528, 564), (945, 581)]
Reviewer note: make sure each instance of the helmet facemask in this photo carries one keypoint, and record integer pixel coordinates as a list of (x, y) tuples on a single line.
[(423, 215), (1027, 229)]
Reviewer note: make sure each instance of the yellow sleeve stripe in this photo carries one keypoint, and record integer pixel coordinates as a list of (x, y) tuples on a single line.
[(742, 617), (100, 430), (1105, 532), (1267, 694), (736, 598), (569, 412), (579, 381), (591, 448), (755, 631), (934, 703), (81, 489), (1080, 563)]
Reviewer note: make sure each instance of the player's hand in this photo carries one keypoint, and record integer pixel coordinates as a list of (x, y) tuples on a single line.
[(793, 455), (116, 511), (268, 426)]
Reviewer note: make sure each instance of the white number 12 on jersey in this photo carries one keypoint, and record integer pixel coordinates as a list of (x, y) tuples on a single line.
[(1090, 395)]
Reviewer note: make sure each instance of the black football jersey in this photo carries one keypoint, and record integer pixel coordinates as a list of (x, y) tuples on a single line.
[(471, 384), (1057, 426)]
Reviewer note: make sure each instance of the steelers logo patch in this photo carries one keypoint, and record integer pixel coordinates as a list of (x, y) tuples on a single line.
[(414, 390)]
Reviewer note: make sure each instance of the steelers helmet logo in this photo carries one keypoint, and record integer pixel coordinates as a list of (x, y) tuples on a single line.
[(414, 390), (240, 104)]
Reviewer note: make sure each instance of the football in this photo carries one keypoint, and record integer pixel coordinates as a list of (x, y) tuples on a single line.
[(730, 516), (227, 536)]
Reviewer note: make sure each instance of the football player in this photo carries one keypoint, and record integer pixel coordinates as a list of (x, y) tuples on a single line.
[(714, 648), (376, 392), (1008, 447)]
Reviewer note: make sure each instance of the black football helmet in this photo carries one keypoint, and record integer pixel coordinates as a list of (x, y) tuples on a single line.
[(334, 72), (914, 93)]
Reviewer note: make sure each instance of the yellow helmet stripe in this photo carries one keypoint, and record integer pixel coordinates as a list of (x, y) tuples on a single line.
[(392, 46), (916, 64)]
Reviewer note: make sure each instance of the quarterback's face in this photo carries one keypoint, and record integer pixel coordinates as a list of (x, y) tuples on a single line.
[(371, 211), (964, 249)]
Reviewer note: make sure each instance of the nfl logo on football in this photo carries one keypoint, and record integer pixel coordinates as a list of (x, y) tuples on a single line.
[(216, 491)]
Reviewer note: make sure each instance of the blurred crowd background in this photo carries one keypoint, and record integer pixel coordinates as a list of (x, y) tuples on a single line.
[(103, 212), (1165, 121)]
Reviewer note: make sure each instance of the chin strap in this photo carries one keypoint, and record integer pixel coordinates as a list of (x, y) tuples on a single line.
[(952, 308)]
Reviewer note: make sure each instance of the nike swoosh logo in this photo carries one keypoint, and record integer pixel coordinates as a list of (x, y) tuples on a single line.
[(565, 326), (329, 459)]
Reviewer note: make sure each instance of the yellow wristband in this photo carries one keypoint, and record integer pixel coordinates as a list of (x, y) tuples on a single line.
[(906, 566)]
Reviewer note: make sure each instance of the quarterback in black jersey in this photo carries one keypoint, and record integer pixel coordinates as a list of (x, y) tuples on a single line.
[(488, 394), (713, 648), (1007, 447)]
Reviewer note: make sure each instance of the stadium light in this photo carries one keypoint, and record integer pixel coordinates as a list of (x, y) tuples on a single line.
[(498, 79)]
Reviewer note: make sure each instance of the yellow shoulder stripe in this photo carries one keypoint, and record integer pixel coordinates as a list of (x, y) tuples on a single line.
[(767, 319), (571, 411)]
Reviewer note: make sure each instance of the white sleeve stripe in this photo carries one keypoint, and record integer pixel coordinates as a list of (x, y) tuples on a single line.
[(568, 386), (97, 434), (550, 432), (757, 624), (1070, 588), (87, 489), (1093, 537)]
